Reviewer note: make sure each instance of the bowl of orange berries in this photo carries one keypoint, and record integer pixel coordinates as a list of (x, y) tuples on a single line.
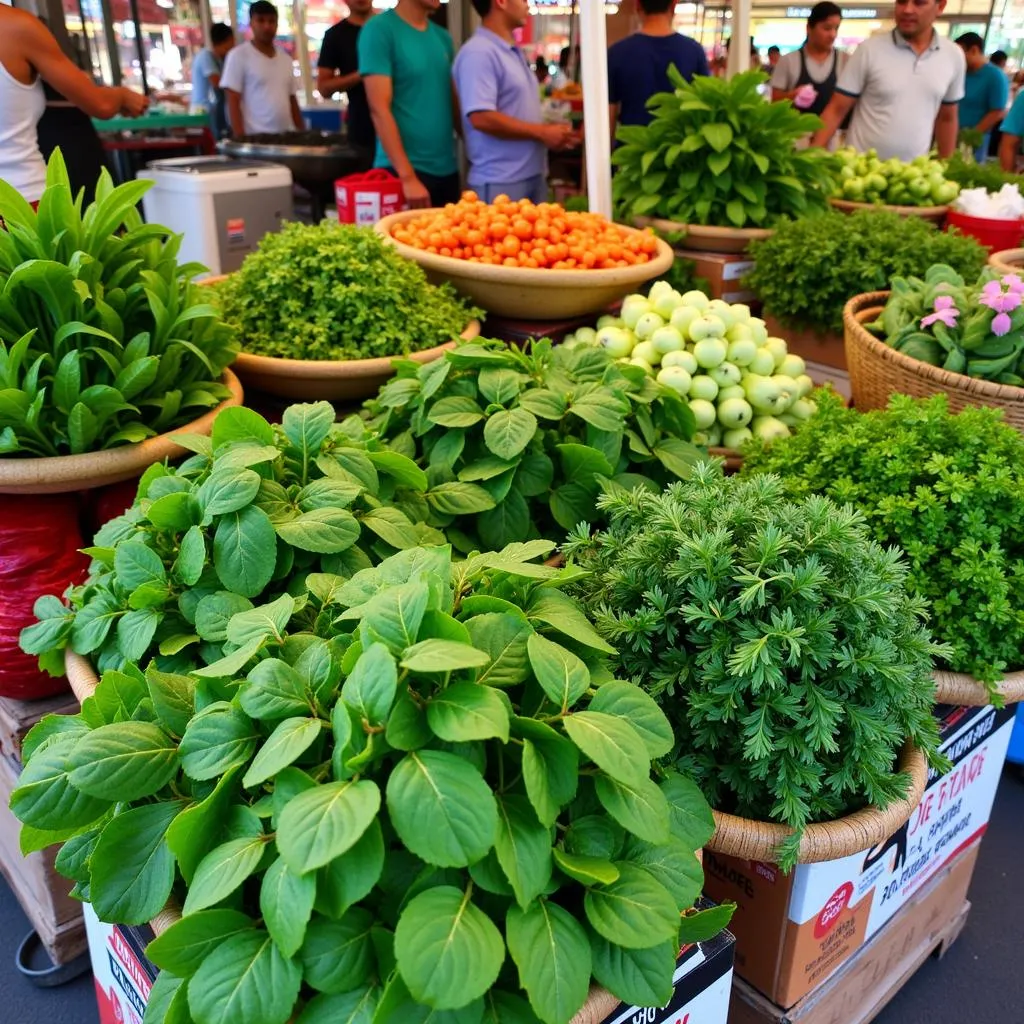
[(526, 260)]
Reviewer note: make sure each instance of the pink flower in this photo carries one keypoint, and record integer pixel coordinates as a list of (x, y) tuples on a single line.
[(1001, 324), (993, 296), (1014, 283), (945, 312)]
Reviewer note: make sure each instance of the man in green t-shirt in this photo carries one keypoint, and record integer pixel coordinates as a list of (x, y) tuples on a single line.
[(406, 64)]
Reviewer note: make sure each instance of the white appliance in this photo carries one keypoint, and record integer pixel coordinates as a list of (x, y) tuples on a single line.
[(222, 207)]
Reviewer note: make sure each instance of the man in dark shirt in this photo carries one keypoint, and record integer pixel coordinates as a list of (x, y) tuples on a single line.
[(638, 65), (338, 71)]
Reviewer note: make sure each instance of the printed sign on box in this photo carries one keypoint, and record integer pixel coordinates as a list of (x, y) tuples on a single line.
[(793, 931), (123, 975)]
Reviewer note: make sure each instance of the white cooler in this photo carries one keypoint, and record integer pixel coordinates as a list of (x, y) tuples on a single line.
[(222, 207)]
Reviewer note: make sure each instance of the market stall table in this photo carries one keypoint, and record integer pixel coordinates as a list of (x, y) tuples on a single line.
[(182, 134)]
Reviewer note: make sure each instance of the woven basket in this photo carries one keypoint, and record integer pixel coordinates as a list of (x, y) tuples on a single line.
[(827, 840), (958, 688), (934, 213), (1007, 261), (878, 371), (83, 679)]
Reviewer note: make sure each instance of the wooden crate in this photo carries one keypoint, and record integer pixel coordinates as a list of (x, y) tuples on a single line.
[(18, 716), (41, 891), (927, 925)]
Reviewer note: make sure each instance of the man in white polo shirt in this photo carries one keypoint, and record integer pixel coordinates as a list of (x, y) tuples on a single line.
[(903, 88)]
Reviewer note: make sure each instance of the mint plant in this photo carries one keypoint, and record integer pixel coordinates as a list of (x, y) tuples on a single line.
[(779, 639), (257, 514), (947, 489), (421, 794), (104, 339), (520, 442)]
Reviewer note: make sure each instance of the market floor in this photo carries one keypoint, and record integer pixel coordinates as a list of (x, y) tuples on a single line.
[(980, 979)]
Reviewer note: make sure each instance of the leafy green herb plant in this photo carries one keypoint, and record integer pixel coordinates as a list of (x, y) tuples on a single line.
[(948, 490), (519, 443), (436, 803), (716, 153), (256, 515), (862, 251), (778, 638), (330, 291), (104, 339)]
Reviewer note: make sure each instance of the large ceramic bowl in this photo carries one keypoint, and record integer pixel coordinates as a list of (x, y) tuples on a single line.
[(934, 213), (60, 474), (708, 237), (526, 294)]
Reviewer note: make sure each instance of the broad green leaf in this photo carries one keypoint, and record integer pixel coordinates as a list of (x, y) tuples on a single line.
[(324, 530), (168, 1001), (402, 469), (247, 978), (674, 864), (505, 1008), (394, 615), (562, 676), (441, 808), (286, 903), (550, 768), (629, 702), (449, 951), (327, 493), (611, 743), (320, 824), (554, 609), (503, 637), (641, 809), (634, 911), (392, 526), (639, 977), (132, 866), (174, 512), (196, 830), (190, 940), (274, 690), (506, 522), (348, 878), (551, 950), (241, 424), (458, 499), (218, 738), (135, 563), (704, 925), (586, 870), (191, 560), (355, 1007), (371, 686), (245, 550), (468, 711), (690, 817), (307, 426), (228, 489), (215, 611), (508, 432), (135, 632), (267, 621), (124, 761), (499, 385), (523, 848), (436, 655), (337, 956), (222, 871), (719, 135), (407, 727), (594, 835), (288, 742), (397, 1004), (231, 664)]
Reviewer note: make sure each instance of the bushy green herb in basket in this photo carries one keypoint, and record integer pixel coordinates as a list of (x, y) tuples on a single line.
[(949, 490), (776, 635), (104, 339), (330, 291), (419, 795), (808, 270)]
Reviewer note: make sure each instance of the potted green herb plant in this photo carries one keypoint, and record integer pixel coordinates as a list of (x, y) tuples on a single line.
[(415, 790), (949, 490), (322, 310), (782, 644)]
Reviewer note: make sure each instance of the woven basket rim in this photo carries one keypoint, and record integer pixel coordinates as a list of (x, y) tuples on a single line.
[(1009, 261), (827, 840), (861, 307), (963, 689)]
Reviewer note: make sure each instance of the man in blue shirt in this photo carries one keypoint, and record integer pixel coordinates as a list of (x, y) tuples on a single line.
[(986, 92), (638, 65), (506, 139), (207, 95)]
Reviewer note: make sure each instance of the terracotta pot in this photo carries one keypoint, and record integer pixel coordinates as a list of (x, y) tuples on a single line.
[(707, 237), (63, 473)]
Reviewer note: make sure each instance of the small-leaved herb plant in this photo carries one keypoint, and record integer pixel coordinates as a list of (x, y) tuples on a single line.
[(863, 252), (421, 792), (329, 291), (779, 639), (248, 518), (948, 490), (104, 339), (521, 441), (716, 153)]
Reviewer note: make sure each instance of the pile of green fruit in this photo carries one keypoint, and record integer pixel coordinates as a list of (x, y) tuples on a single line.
[(739, 382), (864, 178)]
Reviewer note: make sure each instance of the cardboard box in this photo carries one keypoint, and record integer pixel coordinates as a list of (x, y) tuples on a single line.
[(703, 983), (794, 931), (123, 975), (723, 273)]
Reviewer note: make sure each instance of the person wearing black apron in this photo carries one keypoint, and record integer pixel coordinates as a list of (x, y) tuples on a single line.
[(808, 76)]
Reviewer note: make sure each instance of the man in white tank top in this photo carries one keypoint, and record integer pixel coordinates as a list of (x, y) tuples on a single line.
[(28, 55)]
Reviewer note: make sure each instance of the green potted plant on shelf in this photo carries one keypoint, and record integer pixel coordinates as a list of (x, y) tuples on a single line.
[(782, 644)]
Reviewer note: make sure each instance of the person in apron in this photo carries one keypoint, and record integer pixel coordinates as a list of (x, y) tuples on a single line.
[(808, 76)]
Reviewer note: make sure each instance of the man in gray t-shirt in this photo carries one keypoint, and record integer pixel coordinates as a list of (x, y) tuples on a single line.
[(903, 87)]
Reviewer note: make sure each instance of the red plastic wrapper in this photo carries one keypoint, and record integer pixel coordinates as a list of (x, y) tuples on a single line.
[(106, 503), (39, 554)]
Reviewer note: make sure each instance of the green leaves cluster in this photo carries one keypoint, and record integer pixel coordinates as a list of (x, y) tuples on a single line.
[(103, 338), (946, 489), (330, 291), (516, 444), (272, 515), (436, 802), (716, 153), (778, 638), (863, 252)]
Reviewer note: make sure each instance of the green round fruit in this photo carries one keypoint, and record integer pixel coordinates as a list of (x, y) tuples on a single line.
[(702, 386), (763, 363), (792, 365), (696, 299), (778, 349), (682, 317), (736, 439), (667, 339), (616, 341), (742, 350), (646, 351), (682, 358), (710, 352), (676, 378), (703, 413), (648, 323), (736, 412)]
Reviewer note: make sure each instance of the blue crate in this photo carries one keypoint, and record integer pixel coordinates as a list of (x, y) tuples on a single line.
[(1016, 751)]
